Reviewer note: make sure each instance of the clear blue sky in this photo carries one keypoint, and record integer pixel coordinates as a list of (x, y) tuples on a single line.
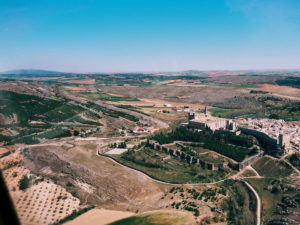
[(149, 35)]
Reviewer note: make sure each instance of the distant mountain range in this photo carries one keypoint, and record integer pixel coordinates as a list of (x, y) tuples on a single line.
[(45, 73), (31, 72)]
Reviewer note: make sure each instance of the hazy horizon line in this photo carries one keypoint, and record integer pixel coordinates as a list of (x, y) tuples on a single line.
[(162, 71)]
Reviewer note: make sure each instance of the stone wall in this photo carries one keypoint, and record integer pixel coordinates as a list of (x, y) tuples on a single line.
[(184, 156), (250, 160), (260, 135), (271, 145), (196, 160)]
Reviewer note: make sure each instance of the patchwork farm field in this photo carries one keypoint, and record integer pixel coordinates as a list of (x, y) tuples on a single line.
[(52, 128)]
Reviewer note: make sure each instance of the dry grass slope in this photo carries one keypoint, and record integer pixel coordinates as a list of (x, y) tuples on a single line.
[(268, 167), (157, 218)]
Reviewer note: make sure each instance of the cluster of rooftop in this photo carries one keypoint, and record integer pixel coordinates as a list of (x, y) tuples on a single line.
[(281, 135), (286, 133)]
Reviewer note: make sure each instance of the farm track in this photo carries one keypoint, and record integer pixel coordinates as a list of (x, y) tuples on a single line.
[(144, 117), (258, 207), (60, 143)]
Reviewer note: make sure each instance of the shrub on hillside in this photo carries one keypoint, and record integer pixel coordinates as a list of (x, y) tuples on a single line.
[(24, 183)]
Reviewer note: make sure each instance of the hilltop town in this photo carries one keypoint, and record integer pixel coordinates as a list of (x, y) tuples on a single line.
[(280, 133), (287, 134)]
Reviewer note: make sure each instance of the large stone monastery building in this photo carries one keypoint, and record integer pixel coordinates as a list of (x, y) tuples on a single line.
[(206, 120)]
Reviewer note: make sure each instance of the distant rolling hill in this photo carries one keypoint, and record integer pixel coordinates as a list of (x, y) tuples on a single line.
[(31, 73)]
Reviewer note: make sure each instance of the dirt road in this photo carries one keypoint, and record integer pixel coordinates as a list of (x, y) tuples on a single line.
[(258, 208)]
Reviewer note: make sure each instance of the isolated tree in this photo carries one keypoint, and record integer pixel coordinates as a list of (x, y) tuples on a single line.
[(24, 183), (76, 133), (274, 116)]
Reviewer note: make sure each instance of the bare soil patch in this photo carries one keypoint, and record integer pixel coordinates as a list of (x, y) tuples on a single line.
[(99, 217), (42, 202), (74, 88), (181, 95), (3, 151), (282, 90), (158, 103), (116, 151), (92, 81), (114, 187)]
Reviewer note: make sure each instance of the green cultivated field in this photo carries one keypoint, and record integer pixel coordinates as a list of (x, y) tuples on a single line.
[(47, 112), (131, 108), (238, 85), (230, 85), (217, 110), (110, 112), (107, 97)]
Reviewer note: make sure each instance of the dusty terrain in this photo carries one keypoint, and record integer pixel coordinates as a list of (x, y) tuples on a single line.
[(159, 103), (110, 186), (282, 91), (194, 95), (70, 176), (99, 217), (74, 88), (92, 81), (43, 202)]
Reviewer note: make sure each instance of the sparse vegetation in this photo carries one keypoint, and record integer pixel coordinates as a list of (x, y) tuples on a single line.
[(268, 167), (295, 160), (5, 154), (44, 112), (73, 215), (259, 107), (30, 119), (290, 81), (241, 204), (110, 112), (160, 166)]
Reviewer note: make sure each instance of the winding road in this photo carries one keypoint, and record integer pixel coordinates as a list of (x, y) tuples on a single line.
[(258, 207), (154, 179)]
